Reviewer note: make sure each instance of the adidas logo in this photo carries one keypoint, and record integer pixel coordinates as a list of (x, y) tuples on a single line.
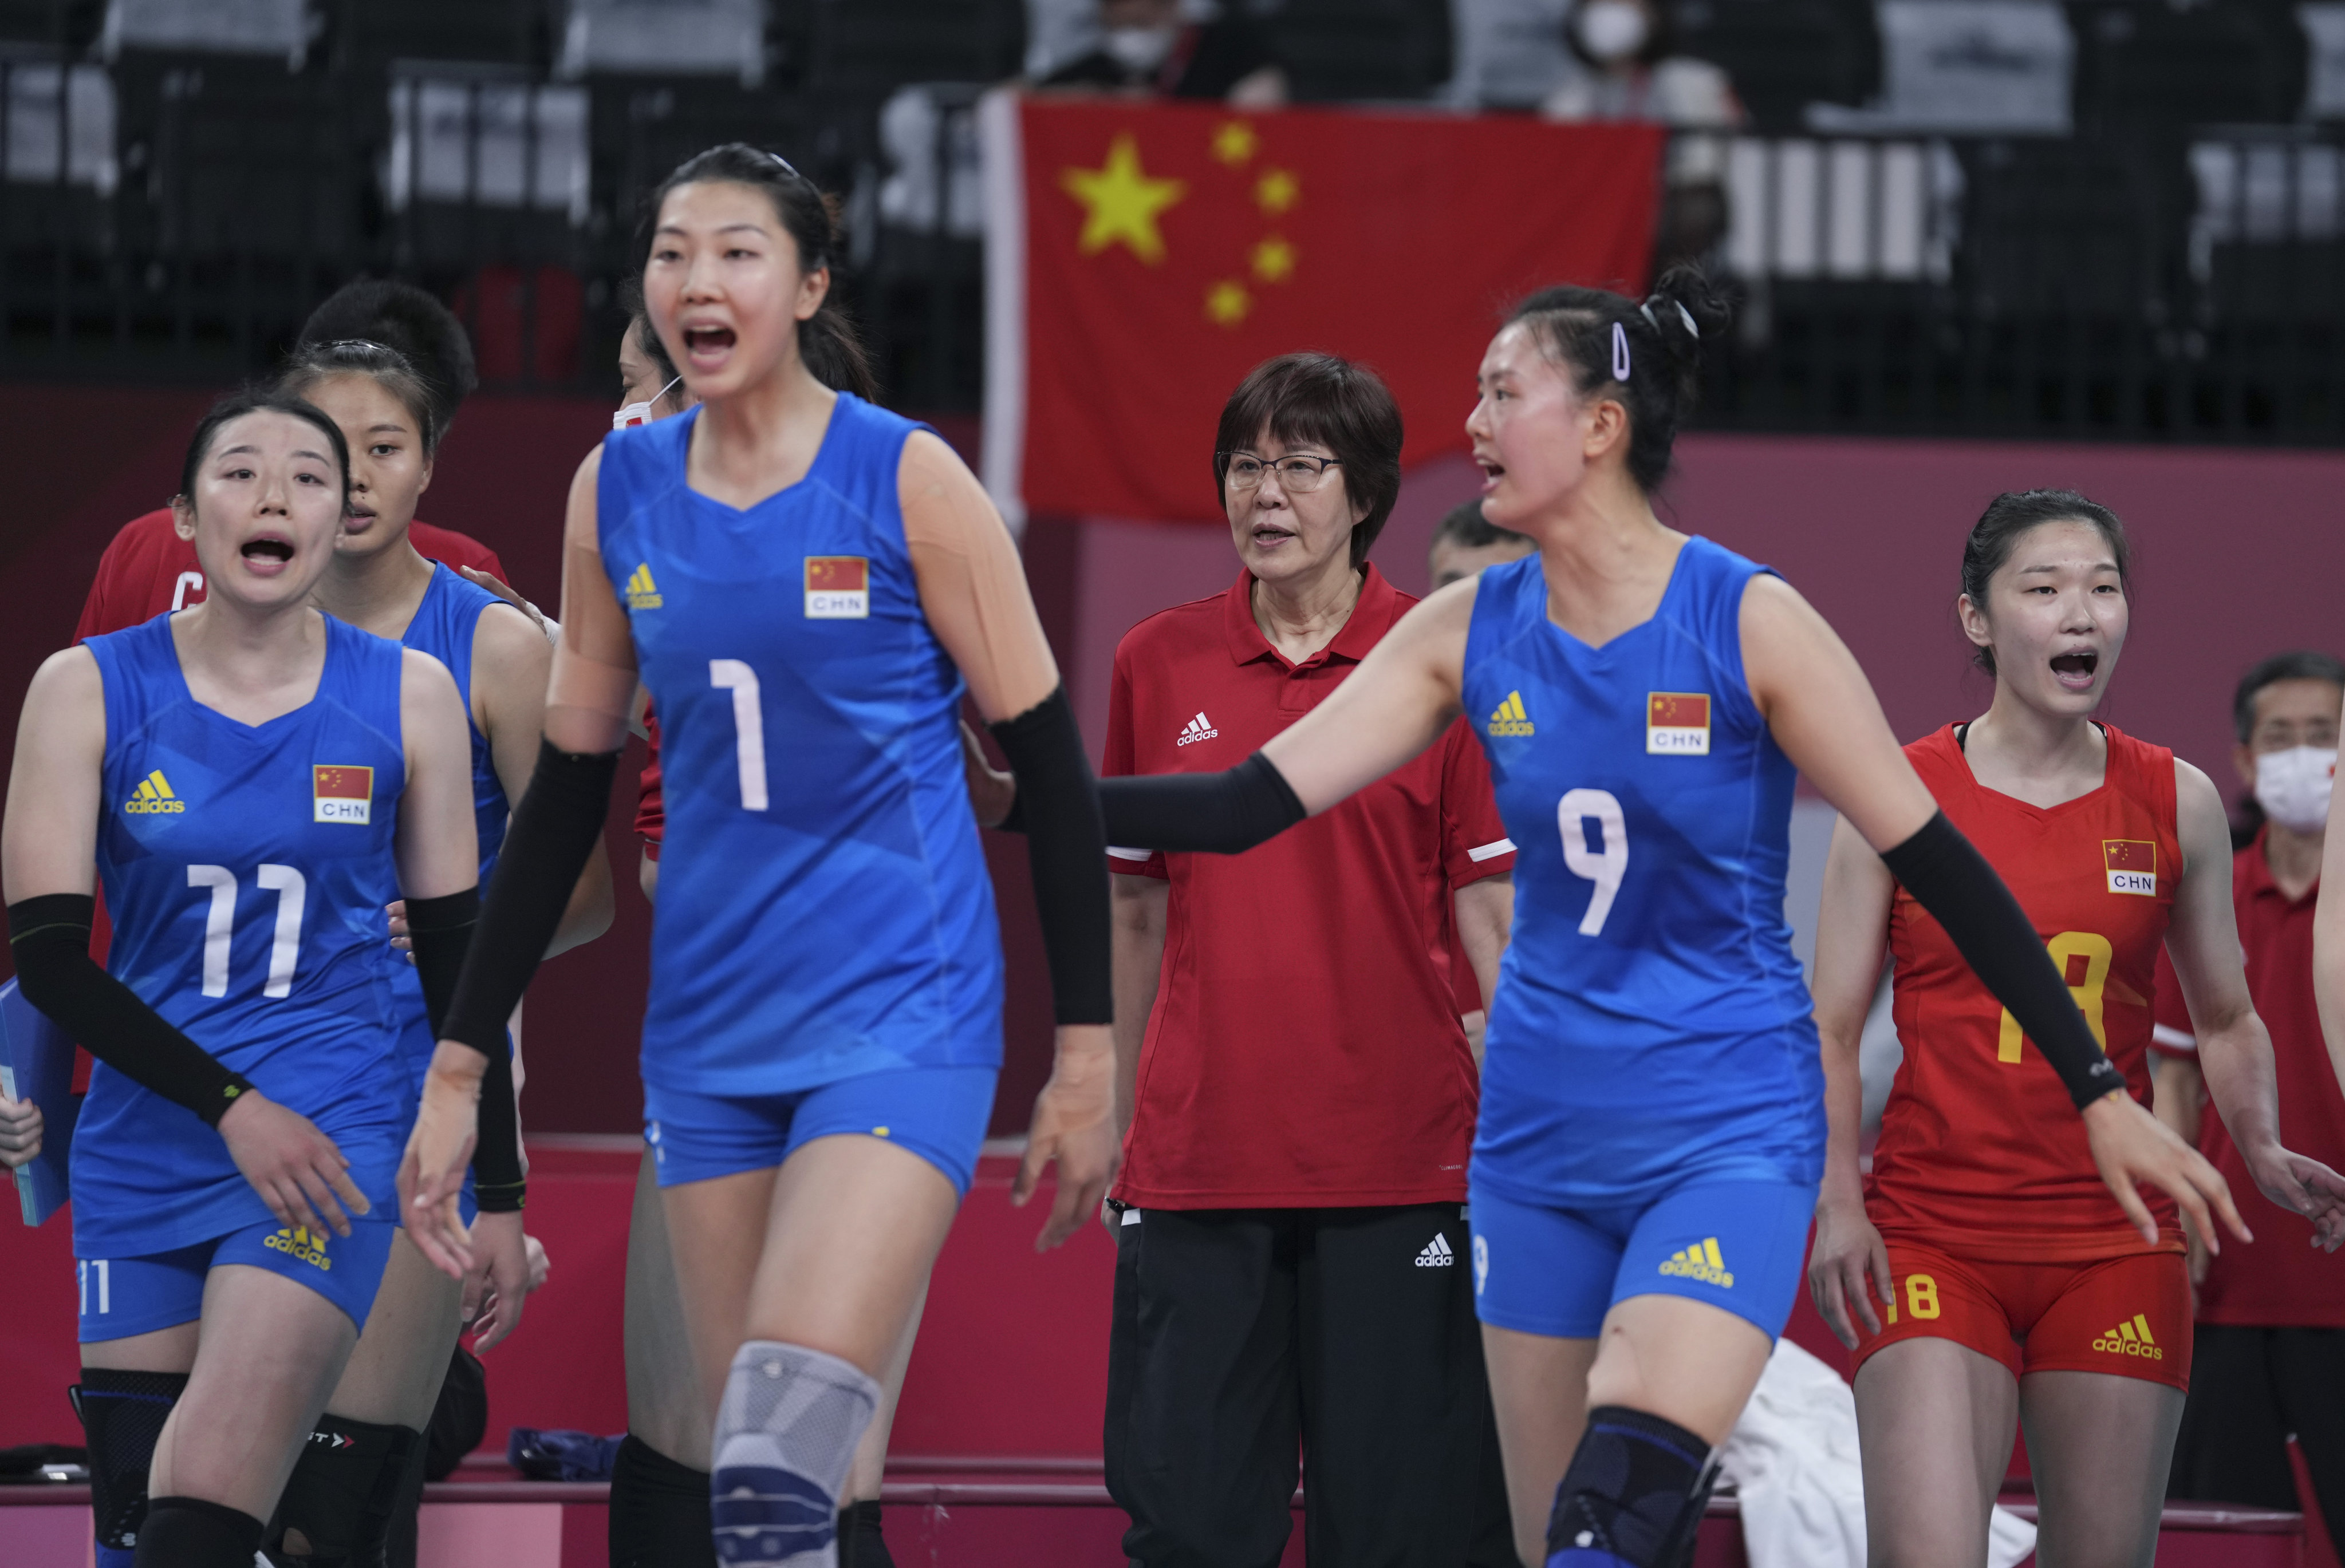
[(1200, 728), (1509, 719), (1437, 1253), (153, 797), (1702, 1263), (642, 594), (2132, 1339), (301, 1241)]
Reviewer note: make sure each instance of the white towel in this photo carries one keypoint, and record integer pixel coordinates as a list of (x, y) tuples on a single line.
[(1793, 1460)]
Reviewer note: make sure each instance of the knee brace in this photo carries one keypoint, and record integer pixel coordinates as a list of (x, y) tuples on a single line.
[(786, 1437), (190, 1532), (400, 1539), (122, 1415), (1634, 1496), (336, 1509), (659, 1511)]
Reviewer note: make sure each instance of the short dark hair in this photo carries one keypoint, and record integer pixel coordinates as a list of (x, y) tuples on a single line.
[(639, 326), (404, 318), (259, 400), (2015, 512), (1592, 330), (1467, 529), (1344, 407), (832, 353), (2297, 664), (385, 366)]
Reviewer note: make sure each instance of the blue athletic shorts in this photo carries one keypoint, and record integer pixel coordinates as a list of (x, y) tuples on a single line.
[(1739, 1245), (938, 1112), (125, 1296)]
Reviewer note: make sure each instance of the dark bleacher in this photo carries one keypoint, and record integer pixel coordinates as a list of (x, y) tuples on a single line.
[(1340, 51), (1784, 54)]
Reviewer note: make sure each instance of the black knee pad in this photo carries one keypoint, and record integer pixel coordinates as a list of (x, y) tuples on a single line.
[(400, 1541), (860, 1544), (660, 1514), (122, 1414), (338, 1499), (189, 1533), (1636, 1490)]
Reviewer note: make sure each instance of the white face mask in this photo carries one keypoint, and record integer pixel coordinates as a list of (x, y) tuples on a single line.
[(1139, 49), (2293, 786), (635, 414), (1612, 29)]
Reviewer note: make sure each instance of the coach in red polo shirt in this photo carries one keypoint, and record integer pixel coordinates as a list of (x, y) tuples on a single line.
[(1296, 1089), (2270, 1356)]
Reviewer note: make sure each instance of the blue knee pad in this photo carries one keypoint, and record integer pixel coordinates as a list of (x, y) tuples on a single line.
[(786, 1437)]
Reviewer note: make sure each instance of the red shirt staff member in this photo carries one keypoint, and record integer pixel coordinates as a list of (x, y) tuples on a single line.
[(1298, 1115), (2270, 1349)]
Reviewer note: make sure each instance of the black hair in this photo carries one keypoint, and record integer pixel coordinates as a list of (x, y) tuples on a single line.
[(402, 317), (1344, 407), (827, 339), (2299, 664), (2015, 512), (639, 326), (1467, 528), (1646, 357), (259, 400), (387, 366)]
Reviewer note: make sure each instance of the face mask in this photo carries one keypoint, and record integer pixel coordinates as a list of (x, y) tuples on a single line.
[(2293, 786), (1612, 29), (641, 413), (1139, 49)]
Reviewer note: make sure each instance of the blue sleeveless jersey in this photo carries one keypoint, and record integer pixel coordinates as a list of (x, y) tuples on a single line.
[(443, 627), (1651, 1025), (243, 870), (824, 909)]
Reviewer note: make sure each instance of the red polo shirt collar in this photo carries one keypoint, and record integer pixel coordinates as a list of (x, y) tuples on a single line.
[(2256, 875), (1379, 605)]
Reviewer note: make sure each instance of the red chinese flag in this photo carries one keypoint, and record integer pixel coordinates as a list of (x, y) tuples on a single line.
[(1679, 710), (1170, 247), (837, 573), (343, 782), (2130, 854)]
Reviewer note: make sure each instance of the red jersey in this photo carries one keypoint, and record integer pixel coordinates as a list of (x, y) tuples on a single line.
[(1981, 1150), (651, 804), (1305, 1049), (149, 569), (2282, 1281)]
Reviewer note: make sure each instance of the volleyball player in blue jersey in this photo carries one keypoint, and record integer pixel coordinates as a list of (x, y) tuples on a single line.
[(247, 776), (1651, 1131), (807, 586)]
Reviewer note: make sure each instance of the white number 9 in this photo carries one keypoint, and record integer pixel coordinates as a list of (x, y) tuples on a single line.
[(1605, 870)]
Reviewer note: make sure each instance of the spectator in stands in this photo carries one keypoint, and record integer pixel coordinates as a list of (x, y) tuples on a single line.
[(1148, 49), (2269, 1353), (1296, 1090), (1632, 72), (1465, 543)]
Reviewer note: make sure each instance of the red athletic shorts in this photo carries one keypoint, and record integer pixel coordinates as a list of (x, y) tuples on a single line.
[(2128, 1315)]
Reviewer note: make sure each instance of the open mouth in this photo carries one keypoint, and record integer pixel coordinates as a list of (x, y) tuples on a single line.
[(1266, 533), (2076, 669), (267, 549), (707, 340), (1491, 472)]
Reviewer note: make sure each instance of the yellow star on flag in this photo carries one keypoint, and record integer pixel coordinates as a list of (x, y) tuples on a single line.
[(1227, 302), (1277, 189), (1273, 260), (1235, 142), (1120, 202)]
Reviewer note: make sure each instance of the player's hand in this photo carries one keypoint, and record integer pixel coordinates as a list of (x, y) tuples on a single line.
[(2131, 1146), (1848, 1257), (2301, 1185), (439, 1152), (498, 1279), (992, 792), (1074, 1124), (400, 938), (297, 1170), (506, 591), (20, 1132)]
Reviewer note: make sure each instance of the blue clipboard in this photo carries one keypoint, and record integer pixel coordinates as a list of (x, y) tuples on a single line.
[(37, 1063)]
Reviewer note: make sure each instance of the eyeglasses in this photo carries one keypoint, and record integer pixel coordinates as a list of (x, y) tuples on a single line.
[(1296, 475)]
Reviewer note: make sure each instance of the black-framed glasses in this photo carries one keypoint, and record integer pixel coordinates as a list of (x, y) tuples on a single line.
[(1297, 474)]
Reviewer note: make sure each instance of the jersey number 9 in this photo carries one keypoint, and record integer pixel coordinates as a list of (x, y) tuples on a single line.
[(1605, 867)]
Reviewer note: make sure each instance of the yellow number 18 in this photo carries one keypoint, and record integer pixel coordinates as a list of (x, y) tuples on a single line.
[(2095, 951)]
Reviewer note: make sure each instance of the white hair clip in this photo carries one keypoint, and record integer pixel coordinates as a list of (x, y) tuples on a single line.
[(1620, 353)]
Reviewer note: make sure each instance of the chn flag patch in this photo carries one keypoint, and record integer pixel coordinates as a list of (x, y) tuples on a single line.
[(2132, 865), (342, 794), (838, 587), (1677, 724)]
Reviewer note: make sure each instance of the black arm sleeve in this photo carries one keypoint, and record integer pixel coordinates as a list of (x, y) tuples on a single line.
[(555, 828), (1058, 810), (1221, 814), (1954, 882), (50, 939), (440, 929)]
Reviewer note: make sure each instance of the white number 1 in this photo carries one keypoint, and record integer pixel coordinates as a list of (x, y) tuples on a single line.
[(1605, 870), (749, 726), (219, 924)]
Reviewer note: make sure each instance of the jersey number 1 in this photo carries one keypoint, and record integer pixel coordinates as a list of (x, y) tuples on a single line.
[(749, 726), (1573, 813), (219, 924)]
